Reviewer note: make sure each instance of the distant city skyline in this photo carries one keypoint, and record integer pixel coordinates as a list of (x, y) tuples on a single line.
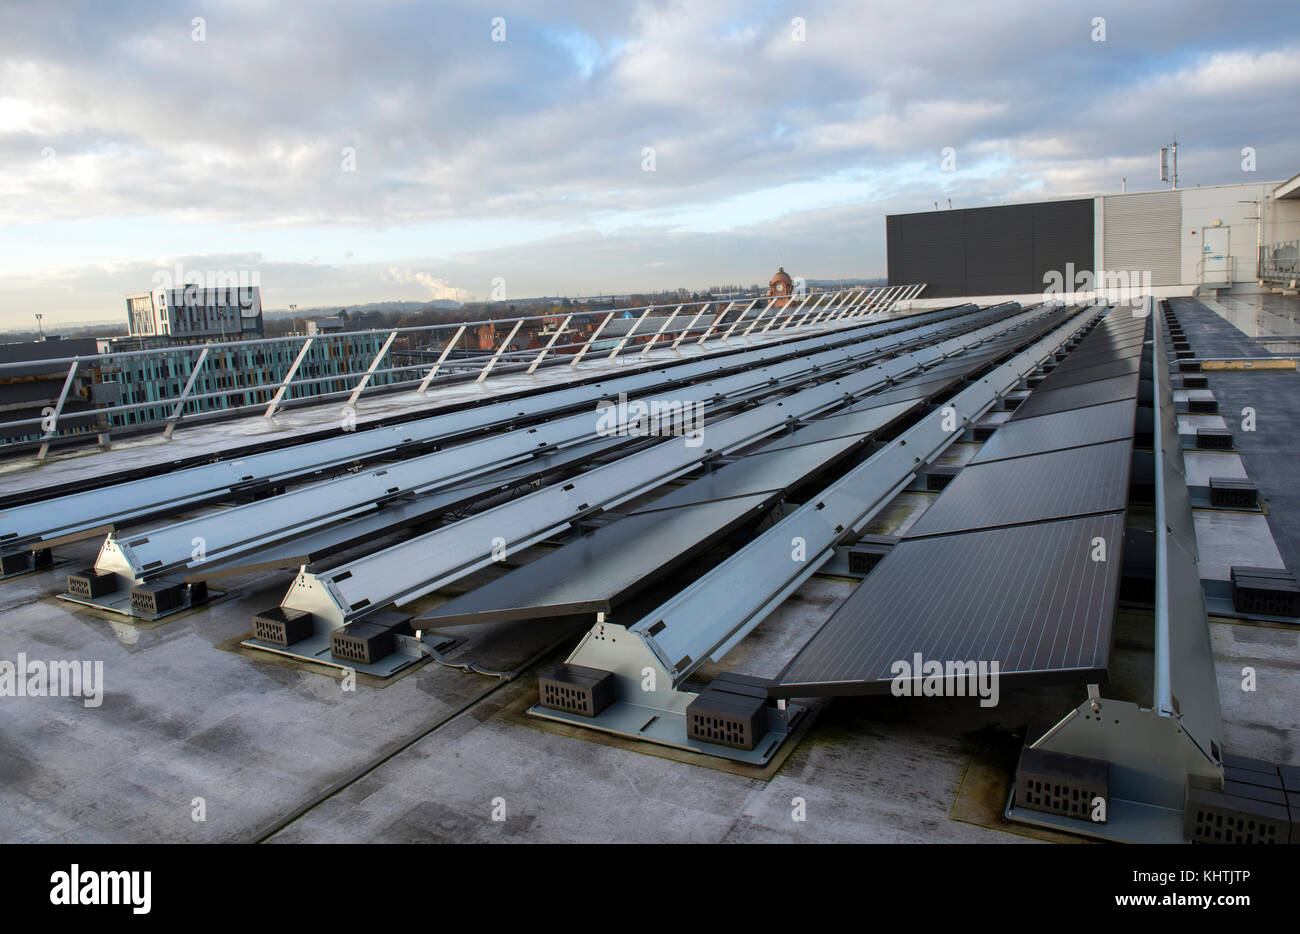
[(354, 154)]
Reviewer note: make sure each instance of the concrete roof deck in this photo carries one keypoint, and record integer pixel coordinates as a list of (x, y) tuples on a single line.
[(281, 752)]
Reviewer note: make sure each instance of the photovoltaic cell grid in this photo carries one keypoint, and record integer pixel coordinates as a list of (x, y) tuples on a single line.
[(1079, 381), (1095, 424), (1076, 397), (1102, 353), (1027, 597), (1073, 482), (1092, 372), (1001, 567), (597, 571)]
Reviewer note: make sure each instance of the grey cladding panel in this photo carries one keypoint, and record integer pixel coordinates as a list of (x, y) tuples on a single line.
[(1029, 598), (1008, 249), (1142, 234)]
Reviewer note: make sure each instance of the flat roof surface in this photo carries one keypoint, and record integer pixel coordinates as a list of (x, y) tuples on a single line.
[(282, 752)]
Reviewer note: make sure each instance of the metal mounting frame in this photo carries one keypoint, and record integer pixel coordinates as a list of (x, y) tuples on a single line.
[(709, 617), (256, 526), (421, 565), (652, 707), (1153, 750), (86, 513)]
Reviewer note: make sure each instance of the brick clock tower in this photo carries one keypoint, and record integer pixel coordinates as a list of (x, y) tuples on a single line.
[(780, 289)]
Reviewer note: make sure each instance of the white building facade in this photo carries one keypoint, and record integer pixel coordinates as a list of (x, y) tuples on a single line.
[(1198, 238), (196, 313)]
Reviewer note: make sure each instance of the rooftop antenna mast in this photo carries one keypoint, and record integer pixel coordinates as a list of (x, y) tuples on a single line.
[(1169, 163)]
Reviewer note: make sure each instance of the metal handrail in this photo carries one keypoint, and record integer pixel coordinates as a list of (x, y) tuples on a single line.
[(1229, 269), (841, 305), (1272, 266)]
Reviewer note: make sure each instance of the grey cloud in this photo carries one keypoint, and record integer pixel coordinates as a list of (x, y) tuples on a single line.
[(247, 128), (250, 124)]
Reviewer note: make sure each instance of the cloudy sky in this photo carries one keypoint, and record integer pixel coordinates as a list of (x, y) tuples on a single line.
[(371, 151)]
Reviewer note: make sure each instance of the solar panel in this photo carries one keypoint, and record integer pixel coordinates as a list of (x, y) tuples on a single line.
[(1085, 355), (1044, 402), (871, 416), (761, 472), (1066, 375), (1030, 598), (595, 572), (89, 511), (920, 389), (1071, 429), (1073, 482), (711, 615)]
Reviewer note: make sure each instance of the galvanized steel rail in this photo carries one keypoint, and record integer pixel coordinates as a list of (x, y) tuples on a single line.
[(91, 512), (422, 564), (708, 618)]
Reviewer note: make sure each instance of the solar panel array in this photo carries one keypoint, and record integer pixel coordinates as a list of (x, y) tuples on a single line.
[(609, 565), (1018, 561)]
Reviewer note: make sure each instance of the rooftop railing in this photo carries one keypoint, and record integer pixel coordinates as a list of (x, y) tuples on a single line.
[(1280, 261), (442, 354)]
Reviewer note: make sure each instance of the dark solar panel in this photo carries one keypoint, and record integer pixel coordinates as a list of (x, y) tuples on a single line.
[(1030, 598), (1044, 402), (597, 571), (763, 471), (1073, 482), (1119, 322), (917, 388), (1066, 375), (1060, 430), (858, 423), (1104, 353), (1001, 567)]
